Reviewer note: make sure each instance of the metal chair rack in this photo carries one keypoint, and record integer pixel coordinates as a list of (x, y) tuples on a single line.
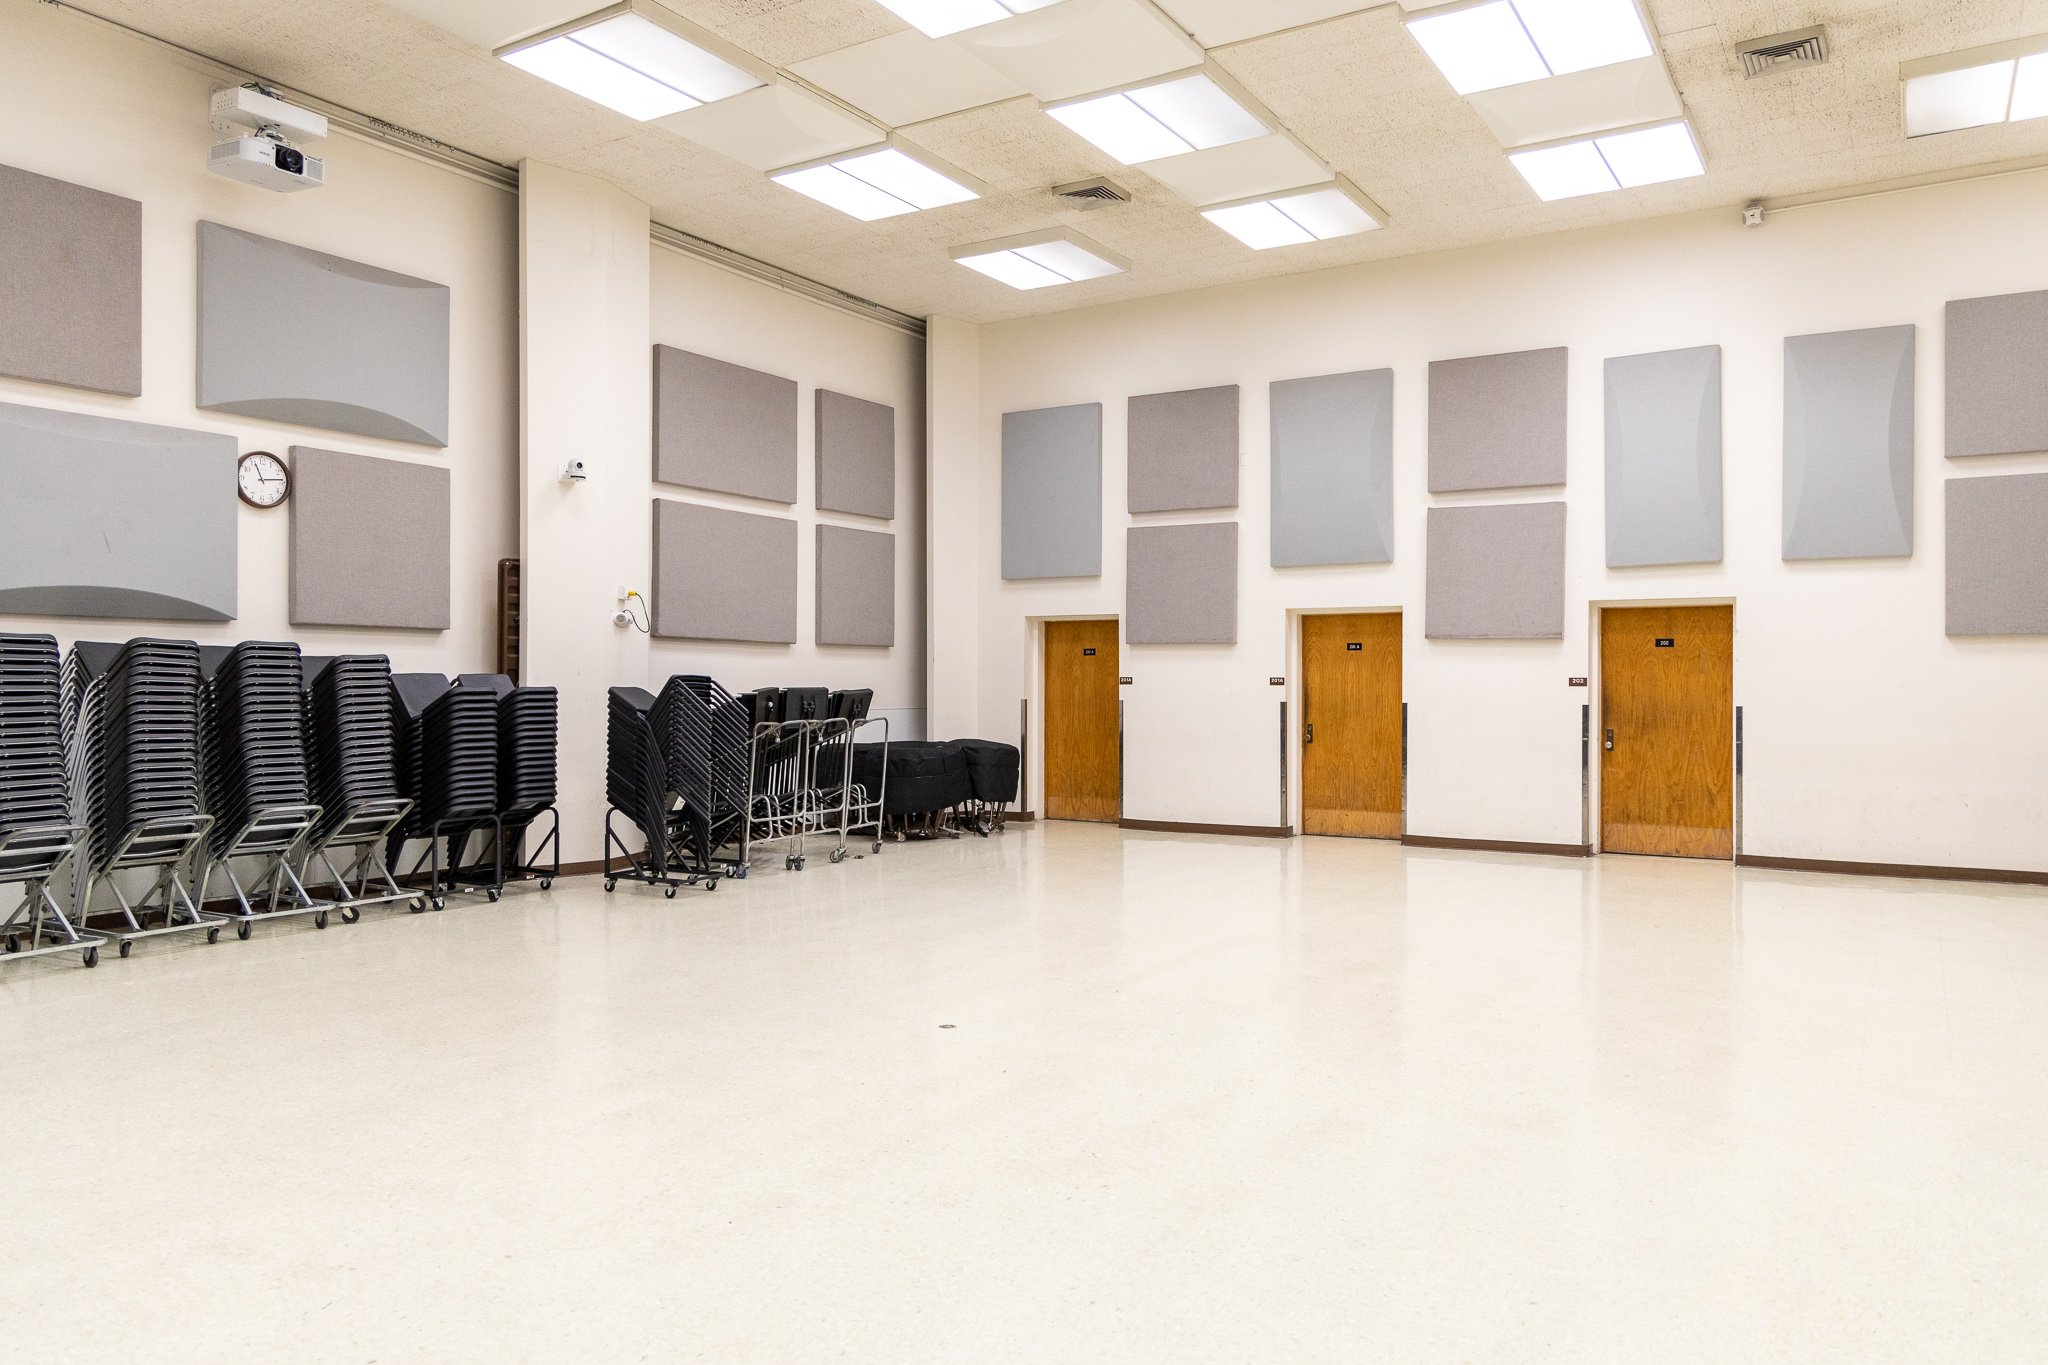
[(363, 829), (165, 844), (273, 834), (33, 858)]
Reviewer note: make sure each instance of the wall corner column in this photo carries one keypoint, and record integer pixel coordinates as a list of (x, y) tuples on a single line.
[(953, 551)]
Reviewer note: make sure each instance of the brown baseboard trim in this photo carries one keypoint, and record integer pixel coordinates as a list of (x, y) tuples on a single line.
[(1916, 871), (1024, 815), (1497, 846), (1175, 827)]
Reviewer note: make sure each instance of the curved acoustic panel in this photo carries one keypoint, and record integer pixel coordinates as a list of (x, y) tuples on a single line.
[(1849, 444), (114, 518), (1333, 469), (70, 284), (1664, 458), (1052, 492), (294, 335)]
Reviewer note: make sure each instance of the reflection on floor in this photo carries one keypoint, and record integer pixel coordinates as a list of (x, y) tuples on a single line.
[(1199, 1100)]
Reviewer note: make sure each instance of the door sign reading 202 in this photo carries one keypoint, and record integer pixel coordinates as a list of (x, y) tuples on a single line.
[(1666, 644)]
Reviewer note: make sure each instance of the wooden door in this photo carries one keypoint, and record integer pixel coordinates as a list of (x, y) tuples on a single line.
[(1667, 731), (1083, 758), (1351, 725)]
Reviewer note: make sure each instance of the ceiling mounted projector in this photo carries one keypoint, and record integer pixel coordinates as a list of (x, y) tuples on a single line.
[(264, 157)]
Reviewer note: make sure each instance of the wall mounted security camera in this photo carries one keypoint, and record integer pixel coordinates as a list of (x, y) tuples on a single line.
[(573, 471)]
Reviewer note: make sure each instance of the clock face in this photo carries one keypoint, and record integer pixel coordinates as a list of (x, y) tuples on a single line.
[(262, 480)]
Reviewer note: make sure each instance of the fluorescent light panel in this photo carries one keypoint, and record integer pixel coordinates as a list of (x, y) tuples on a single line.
[(1289, 220), (1616, 161), (1189, 114), (1035, 265), (1508, 42), (937, 18), (876, 184), (2011, 90), (629, 63)]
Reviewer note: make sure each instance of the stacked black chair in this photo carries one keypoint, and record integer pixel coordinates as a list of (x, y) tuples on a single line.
[(37, 838), (136, 774), (253, 760), (528, 722), (456, 759), (636, 785), (706, 737), (408, 698), (352, 757), (805, 703)]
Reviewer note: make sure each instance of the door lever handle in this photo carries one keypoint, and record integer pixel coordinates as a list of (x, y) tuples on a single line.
[(1610, 739)]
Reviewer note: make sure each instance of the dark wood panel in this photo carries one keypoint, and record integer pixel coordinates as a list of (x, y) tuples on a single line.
[(1351, 725), (1668, 785), (1083, 769)]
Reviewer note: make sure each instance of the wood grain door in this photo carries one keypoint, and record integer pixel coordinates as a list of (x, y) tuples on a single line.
[(1667, 731), (1351, 725), (1083, 762)]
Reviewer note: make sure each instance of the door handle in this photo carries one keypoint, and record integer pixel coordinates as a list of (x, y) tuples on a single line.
[(1311, 733), (1610, 739)]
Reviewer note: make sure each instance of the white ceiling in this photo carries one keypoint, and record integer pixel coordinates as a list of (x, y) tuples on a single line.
[(1352, 87)]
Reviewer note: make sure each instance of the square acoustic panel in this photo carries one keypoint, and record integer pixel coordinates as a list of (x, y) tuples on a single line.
[(1497, 421), (1495, 573), (370, 541), (1180, 585), (1849, 444), (1996, 354), (856, 587), (856, 452), (1997, 539), (723, 427), (114, 518), (1333, 469), (1182, 451), (721, 575), (288, 334), (1052, 492), (70, 284), (1664, 458)]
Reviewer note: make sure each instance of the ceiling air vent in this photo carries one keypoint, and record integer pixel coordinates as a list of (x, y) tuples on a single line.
[(1093, 194), (1783, 52)]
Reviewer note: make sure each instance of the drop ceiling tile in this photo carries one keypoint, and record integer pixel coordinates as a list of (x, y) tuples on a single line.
[(1216, 22), (1238, 170), (1078, 47), (776, 125), (493, 23), (1615, 96), (908, 78)]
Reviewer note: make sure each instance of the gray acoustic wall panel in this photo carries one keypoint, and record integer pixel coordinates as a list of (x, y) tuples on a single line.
[(723, 427), (722, 575), (1052, 492), (369, 541), (1497, 421), (1495, 573), (1333, 469), (113, 518), (1180, 585), (1664, 458), (1183, 450), (294, 335), (70, 284), (1996, 354), (1849, 444), (856, 443), (1997, 539), (856, 587)]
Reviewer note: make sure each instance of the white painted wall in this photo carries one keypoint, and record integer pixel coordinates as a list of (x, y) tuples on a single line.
[(84, 103), (700, 307), (1871, 736)]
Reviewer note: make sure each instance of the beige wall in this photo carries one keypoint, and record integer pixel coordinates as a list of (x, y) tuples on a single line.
[(1871, 736)]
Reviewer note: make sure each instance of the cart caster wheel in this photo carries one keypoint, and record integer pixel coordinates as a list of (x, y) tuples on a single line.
[(741, 874), (799, 864), (351, 916), (440, 902), (877, 848), (546, 882), (493, 895), (417, 906), (838, 855), (669, 892), (611, 886), (127, 948), (92, 957), (13, 944), (213, 934), (711, 885), (320, 920), (243, 930)]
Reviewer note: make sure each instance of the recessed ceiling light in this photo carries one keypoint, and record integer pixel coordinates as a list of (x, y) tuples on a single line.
[(880, 182), (937, 18), (1507, 42), (1037, 259), (1614, 161), (1167, 118), (2004, 82), (636, 58), (1311, 215)]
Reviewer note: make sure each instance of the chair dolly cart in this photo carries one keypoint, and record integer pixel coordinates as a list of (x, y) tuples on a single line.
[(33, 857)]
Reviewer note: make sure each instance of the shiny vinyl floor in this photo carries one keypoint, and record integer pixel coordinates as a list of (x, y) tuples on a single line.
[(1068, 1095)]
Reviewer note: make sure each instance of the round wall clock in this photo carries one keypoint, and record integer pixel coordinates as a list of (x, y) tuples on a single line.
[(262, 479)]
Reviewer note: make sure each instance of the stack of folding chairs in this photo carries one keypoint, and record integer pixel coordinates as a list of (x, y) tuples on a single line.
[(528, 721), (707, 744), (37, 837), (448, 765), (636, 785), (351, 749)]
